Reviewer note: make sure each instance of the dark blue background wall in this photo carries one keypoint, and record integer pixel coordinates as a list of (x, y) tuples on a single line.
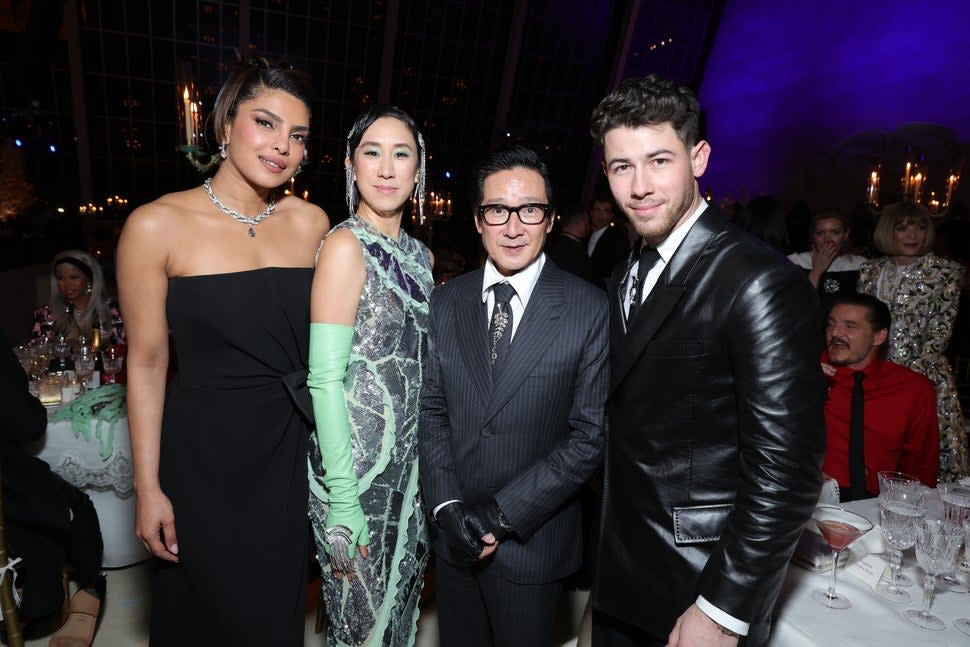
[(800, 97)]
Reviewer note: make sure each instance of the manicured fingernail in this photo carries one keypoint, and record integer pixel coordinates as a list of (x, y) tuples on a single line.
[(174, 549)]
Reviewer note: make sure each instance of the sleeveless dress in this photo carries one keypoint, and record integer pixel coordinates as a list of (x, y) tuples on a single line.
[(233, 462), (382, 385)]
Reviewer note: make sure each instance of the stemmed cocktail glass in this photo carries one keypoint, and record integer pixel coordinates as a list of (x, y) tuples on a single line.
[(839, 528)]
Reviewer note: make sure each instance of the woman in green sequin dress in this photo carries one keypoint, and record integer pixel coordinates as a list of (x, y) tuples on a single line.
[(369, 311)]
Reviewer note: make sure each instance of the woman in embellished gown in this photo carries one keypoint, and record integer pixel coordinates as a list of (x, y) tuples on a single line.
[(922, 291), (220, 458), (369, 311)]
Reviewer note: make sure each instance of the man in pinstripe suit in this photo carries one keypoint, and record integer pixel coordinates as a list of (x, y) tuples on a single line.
[(511, 417)]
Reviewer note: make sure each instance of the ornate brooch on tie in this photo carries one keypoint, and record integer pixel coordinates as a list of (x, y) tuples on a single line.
[(499, 322)]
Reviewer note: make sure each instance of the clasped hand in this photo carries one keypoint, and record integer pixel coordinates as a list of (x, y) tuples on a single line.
[(472, 533)]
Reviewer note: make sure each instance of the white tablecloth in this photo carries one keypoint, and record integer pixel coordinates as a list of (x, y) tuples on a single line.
[(872, 621), (107, 482)]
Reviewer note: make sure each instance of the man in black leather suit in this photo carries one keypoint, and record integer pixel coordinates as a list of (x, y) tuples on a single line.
[(716, 429)]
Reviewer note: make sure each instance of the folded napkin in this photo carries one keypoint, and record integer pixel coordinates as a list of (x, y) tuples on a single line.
[(830, 492)]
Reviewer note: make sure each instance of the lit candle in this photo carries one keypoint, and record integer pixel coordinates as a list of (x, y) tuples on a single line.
[(906, 178), (188, 116), (873, 189)]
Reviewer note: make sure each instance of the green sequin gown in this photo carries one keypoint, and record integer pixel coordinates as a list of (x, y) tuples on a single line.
[(382, 386)]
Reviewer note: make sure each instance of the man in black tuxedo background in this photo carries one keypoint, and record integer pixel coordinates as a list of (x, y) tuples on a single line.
[(608, 244), (716, 397), (511, 418)]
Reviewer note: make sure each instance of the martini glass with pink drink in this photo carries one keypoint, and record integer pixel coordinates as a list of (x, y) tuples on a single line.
[(839, 528)]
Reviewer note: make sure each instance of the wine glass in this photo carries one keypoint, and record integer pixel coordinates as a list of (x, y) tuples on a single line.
[(839, 528), (899, 530), (84, 368), (937, 542), (902, 488), (954, 508), (113, 359), (963, 624)]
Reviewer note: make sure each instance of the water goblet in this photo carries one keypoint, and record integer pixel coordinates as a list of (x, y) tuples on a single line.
[(963, 624), (25, 356), (84, 368), (899, 530), (42, 357), (954, 508), (937, 542), (903, 488), (839, 528), (113, 359)]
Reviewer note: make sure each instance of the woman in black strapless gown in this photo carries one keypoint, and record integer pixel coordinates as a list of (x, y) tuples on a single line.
[(220, 458)]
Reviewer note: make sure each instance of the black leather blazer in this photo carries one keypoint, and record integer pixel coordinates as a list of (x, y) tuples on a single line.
[(716, 434)]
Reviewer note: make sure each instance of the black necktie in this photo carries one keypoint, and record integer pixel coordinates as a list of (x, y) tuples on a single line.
[(500, 325), (857, 464), (648, 258)]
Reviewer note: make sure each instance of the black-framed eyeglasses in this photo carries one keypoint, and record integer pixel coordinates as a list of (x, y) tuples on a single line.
[(532, 213)]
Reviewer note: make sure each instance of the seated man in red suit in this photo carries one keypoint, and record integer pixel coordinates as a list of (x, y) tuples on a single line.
[(897, 423)]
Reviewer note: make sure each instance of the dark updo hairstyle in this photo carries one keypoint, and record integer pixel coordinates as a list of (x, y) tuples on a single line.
[(364, 121), (251, 77)]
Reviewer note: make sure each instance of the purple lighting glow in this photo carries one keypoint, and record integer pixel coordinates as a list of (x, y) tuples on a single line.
[(786, 84)]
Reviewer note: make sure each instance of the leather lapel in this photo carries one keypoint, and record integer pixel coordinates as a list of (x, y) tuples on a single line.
[(669, 290), (540, 324), (471, 332)]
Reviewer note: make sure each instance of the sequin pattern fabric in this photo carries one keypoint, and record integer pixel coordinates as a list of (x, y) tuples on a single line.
[(382, 385), (923, 298)]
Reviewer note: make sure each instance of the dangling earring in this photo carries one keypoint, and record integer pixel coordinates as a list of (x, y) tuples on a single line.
[(88, 290), (419, 186), (351, 185), (222, 150)]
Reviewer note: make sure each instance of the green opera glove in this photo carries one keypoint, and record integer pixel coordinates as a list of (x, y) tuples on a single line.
[(329, 355)]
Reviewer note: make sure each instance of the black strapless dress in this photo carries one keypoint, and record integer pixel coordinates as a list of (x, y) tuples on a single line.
[(233, 462)]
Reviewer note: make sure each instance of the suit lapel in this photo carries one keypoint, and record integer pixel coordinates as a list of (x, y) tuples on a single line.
[(471, 332), (540, 323), (665, 296)]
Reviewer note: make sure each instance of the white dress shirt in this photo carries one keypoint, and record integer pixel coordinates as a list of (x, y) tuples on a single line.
[(523, 281), (666, 250), (595, 238)]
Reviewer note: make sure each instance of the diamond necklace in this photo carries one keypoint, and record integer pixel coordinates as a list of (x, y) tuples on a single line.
[(235, 215)]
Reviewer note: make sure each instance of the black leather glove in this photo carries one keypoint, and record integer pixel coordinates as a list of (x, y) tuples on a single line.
[(487, 518), (451, 520)]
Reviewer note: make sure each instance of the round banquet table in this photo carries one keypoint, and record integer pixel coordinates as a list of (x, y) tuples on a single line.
[(108, 482)]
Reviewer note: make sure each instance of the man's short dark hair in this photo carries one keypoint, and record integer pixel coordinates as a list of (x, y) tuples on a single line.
[(648, 101), (506, 159), (879, 315)]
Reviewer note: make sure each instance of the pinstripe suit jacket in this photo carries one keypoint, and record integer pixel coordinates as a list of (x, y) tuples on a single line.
[(533, 438)]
